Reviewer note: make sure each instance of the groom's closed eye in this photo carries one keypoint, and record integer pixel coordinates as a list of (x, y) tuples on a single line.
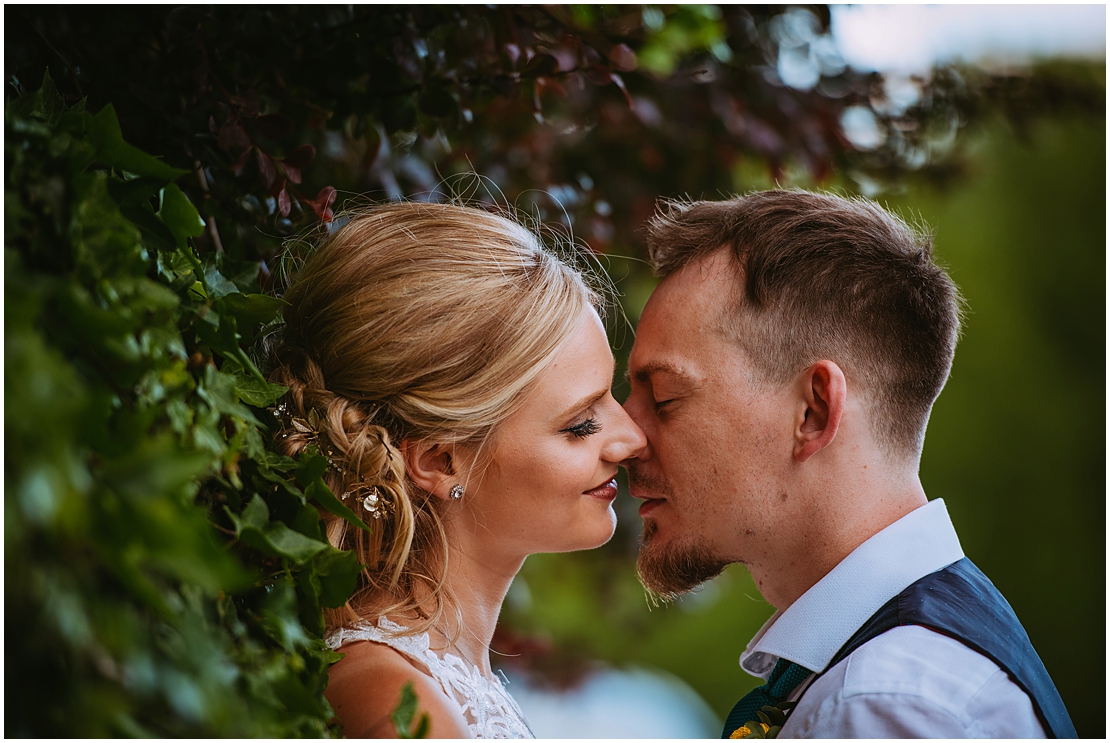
[(644, 374), (663, 383)]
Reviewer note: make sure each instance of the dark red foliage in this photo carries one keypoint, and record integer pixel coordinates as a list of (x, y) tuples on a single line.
[(283, 204), (563, 109), (301, 157), (322, 203)]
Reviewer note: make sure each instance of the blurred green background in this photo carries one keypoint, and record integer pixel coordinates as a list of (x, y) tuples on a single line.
[(1015, 445)]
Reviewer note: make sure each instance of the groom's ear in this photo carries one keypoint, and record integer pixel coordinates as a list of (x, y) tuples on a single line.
[(823, 394), (429, 466)]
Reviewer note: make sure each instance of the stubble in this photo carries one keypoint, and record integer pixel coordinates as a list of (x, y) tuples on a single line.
[(669, 570)]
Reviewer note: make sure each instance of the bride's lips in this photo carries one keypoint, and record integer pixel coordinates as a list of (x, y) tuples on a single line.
[(605, 491)]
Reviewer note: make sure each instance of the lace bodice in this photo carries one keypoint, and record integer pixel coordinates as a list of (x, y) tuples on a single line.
[(488, 708)]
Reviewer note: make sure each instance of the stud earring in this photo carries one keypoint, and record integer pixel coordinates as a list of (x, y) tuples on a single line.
[(457, 492)]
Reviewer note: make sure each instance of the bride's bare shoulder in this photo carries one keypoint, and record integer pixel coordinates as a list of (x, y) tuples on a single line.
[(365, 687)]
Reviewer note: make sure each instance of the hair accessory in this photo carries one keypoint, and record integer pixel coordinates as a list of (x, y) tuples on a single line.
[(457, 492), (372, 500)]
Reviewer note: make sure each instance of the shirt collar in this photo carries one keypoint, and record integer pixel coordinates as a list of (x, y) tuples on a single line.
[(812, 629)]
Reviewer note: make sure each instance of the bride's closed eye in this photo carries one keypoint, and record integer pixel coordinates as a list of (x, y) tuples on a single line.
[(581, 430)]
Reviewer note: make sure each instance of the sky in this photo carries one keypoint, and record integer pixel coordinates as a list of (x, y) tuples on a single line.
[(911, 38)]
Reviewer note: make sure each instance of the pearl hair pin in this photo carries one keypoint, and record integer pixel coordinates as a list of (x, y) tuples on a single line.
[(371, 498)]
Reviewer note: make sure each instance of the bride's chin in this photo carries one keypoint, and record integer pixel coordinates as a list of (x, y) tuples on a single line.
[(606, 533), (598, 534)]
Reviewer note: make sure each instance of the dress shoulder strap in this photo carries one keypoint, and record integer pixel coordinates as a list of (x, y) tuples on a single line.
[(385, 632), (488, 708)]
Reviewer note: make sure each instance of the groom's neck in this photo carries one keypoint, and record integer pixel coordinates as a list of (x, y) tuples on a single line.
[(842, 510)]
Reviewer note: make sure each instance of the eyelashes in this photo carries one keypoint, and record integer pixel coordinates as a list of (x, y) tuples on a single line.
[(581, 430)]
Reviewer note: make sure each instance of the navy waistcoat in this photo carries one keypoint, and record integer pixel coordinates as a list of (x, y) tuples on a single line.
[(961, 602)]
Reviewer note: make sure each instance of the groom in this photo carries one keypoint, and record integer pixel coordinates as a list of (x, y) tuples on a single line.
[(784, 371)]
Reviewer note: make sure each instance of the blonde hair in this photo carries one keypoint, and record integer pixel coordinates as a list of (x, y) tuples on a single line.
[(416, 321)]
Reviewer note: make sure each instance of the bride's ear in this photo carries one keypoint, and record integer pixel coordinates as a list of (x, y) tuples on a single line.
[(429, 466)]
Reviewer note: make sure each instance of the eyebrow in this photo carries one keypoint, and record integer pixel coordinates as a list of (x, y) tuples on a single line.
[(643, 374), (585, 402)]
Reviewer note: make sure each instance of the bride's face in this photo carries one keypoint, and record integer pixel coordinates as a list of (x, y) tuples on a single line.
[(550, 483)]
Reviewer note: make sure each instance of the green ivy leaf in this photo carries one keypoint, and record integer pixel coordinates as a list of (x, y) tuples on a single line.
[(312, 468), (404, 713), (107, 137), (155, 466), (281, 619), (51, 104), (175, 539), (308, 587), (154, 229), (220, 390), (257, 393), (338, 571), (174, 265), (179, 215), (134, 190), (251, 311), (218, 285), (318, 491), (45, 104), (254, 527), (256, 514), (288, 486), (125, 441)]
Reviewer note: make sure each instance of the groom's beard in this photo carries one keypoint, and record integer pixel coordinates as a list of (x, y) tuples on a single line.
[(670, 570)]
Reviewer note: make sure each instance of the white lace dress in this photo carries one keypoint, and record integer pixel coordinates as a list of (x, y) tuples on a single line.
[(488, 708)]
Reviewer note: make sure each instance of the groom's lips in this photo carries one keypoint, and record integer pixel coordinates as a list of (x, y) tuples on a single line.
[(649, 504)]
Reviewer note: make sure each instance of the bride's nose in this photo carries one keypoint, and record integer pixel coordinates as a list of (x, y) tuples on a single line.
[(627, 439)]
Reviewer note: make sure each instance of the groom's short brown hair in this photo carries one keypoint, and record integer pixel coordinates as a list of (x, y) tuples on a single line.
[(825, 277)]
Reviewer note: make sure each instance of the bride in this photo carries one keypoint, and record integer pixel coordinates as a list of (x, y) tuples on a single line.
[(457, 376)]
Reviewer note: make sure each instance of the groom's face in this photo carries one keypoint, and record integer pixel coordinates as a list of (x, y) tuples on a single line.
[(719, 440)]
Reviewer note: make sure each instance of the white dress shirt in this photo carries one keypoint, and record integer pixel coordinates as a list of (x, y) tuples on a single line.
[(909, 682)]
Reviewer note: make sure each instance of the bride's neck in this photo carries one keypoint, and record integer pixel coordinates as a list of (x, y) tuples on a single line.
[(477, 586), (473, 590)]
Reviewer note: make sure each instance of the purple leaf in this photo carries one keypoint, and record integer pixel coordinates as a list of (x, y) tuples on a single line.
[(266, 169), (300, 157), (283, 203)]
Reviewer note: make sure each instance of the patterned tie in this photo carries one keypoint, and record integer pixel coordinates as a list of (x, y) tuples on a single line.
[(783, 680)]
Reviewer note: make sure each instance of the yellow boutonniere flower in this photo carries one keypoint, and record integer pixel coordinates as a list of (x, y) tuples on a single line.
[(769, 723), (744, 732)]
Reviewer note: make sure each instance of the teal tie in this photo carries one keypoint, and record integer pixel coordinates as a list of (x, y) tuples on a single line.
[(783, 680)]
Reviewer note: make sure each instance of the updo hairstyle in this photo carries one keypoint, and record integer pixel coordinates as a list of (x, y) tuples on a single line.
[(415, 321)]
